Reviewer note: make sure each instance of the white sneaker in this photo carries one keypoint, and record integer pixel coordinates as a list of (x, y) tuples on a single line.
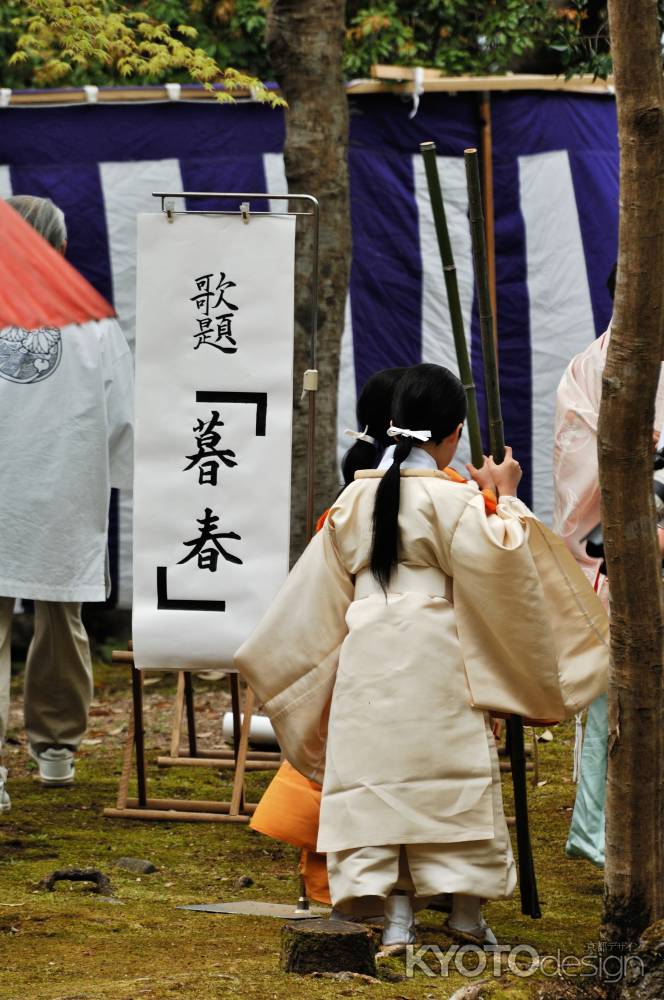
[(398, 929), (5, 801), (56, 765)]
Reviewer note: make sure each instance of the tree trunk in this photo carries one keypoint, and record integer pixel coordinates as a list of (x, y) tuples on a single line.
[(305, 39), (634, 886)]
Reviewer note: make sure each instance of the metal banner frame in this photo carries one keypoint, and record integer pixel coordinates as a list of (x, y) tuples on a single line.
[(240, 759)]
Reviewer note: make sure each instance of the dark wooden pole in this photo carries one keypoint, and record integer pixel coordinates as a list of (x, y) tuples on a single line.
[(191, 714), (528, 884), (139, 734), (482, 290)]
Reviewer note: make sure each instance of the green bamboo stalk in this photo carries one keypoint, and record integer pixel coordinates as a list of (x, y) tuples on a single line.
[(428, 150), (491, 384)]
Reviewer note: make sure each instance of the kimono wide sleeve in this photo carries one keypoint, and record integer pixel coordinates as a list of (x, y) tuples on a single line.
[(533, 634), (291, 658), (575, 464)]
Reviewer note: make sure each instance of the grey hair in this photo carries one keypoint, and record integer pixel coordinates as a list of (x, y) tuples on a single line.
[(43, 215)]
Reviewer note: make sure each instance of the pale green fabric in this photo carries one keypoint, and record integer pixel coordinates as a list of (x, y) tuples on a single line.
[(586, 835)]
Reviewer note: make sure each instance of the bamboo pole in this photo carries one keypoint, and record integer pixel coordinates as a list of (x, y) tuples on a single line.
[(528, 883), (401, 80), (489, 212), (428, 150), (476, 214)]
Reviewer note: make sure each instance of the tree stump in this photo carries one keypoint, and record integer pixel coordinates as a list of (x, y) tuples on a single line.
[(327, 946)]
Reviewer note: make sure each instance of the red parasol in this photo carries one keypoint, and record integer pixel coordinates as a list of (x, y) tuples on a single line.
[(38, 287)]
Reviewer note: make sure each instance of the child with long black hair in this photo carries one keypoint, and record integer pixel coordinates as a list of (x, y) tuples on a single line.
[(374, 409), (411, 615), (289, 810)]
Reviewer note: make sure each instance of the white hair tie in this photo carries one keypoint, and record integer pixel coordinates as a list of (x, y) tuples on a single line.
[(361, 435), (394, 432)]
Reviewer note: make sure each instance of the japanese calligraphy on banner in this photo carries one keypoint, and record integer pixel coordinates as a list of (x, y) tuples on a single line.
[(214, 370)]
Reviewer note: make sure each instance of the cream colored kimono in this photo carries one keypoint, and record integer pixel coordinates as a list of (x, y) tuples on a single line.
[(482, 613)]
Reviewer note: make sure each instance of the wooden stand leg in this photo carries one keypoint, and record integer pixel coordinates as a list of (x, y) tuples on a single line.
[(177, 716), (237, 798), (125, 774), (191, 715), (186, 810), (139, 734), (237, 715)]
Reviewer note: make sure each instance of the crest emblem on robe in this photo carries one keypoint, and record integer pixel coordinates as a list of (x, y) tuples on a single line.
[(28, 356)]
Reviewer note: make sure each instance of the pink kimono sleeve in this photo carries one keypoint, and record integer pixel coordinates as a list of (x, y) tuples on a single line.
[(575, 463)]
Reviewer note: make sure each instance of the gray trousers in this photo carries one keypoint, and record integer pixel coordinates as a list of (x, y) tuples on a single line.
[(58, 675)]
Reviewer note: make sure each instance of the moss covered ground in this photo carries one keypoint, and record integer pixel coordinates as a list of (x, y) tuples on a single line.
[(74, 945)]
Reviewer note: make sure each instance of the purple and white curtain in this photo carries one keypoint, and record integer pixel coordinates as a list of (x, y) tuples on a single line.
[(556, 217)]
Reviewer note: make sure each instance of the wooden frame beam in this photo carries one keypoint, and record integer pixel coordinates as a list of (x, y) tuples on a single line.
[(384, 80)]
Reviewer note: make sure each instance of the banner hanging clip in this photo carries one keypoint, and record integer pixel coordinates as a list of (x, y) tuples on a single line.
[(169, 206), (245, 210), (309, 382)]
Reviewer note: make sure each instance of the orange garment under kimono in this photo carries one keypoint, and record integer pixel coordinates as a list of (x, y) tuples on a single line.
[(289, 811)]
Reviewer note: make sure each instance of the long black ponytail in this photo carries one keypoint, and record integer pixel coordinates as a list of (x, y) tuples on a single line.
[(428, 397), (374, 409)]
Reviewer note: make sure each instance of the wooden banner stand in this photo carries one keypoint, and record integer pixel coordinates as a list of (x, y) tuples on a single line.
[(239, 758), (184, 702)]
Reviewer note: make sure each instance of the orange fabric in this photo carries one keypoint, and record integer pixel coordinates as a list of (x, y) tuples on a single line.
[(289, 810), (313, 868), (490, 499), (38, 287)]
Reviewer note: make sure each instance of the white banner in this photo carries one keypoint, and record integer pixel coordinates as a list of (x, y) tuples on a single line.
[(214, 365)]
